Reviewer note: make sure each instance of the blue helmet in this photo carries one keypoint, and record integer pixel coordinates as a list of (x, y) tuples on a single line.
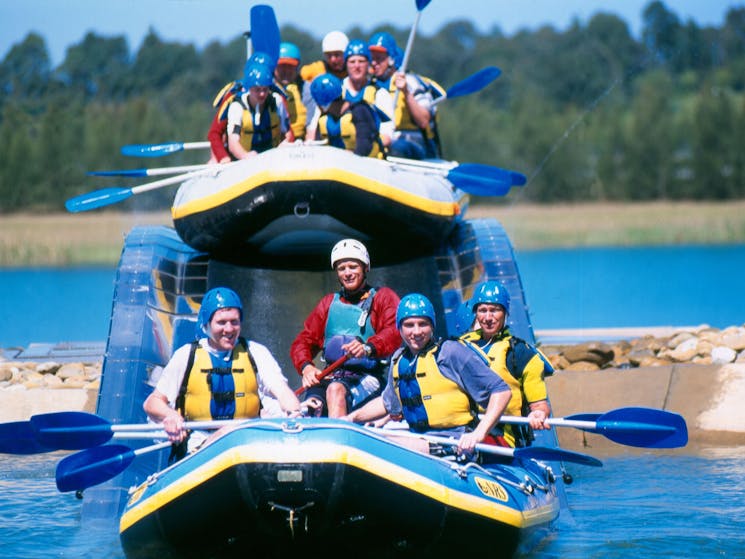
[(261, 57), (357, 47), (215, 299), (325, 89), (257, 75), (398, 57), (384, 42), (464, 317), (289, 53), (415, 304), (491, 292)]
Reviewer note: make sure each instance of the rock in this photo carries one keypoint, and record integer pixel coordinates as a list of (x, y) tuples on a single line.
[(6, 373), (721, 355), (733, 338), (684, 351), (679, 339), (593, 352), (47, 368), (637, 356), (71, 370), (654, 362)]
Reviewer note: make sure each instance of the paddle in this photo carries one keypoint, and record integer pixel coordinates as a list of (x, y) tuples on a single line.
[(471, 84), (73, 430), (327, 371), (107, 196), (95, 465), (159, 150), (420, 5), (474, 178), (640, 427), (533, 452), (264, 31), (150, 172)]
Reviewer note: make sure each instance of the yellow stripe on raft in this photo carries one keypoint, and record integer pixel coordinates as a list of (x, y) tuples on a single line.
[(225, 195), (334, 453)]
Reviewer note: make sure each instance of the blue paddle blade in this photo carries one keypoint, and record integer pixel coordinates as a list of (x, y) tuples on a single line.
[(264, 31), (122, 173), (97, 199), (19, 438), (152, 150), (421, 4), (644, 427), (556, 455), (484, 180), (71, 430), (474, 83), (92, 466)]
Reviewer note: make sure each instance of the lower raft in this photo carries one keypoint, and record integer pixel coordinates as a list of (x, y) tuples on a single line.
[(283, 488)]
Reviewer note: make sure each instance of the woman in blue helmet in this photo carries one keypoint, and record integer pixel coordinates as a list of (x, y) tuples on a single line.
[(219, 376), (343, 123), (258, 119), (519, 364), (436, 385)]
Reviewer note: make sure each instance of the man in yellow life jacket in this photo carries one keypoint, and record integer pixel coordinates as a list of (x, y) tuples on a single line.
[(258, 119), (287, 76), (345, 124), (519, 364), (414, 136), (219, 376), (436, 386)]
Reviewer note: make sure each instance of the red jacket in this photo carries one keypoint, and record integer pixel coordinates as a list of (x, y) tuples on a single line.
[(217, 137), (385, 341)]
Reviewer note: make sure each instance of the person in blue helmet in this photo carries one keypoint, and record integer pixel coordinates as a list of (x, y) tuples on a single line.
[(344, 124), (414, 110), (359, 87), (217, 134), (522, 366), (258, 119), (219, 376), (296, 90), (437, 385)]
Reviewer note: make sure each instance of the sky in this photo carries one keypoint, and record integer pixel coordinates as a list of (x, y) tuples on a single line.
[(63, 23)]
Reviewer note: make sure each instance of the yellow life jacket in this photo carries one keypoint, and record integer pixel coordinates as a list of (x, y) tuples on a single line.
[(429, 399), (348, 136), (523, 374), (268, 134), (196, 393), (314, 69), (401, 114), (298, 111)]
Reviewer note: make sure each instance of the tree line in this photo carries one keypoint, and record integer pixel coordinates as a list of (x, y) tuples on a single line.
[(588, 113)]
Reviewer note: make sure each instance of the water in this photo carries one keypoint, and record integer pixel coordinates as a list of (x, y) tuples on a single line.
[(645, 505), (568, 288)]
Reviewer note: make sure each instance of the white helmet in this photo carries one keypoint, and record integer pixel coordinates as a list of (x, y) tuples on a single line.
[(334, 41), (349, 248)]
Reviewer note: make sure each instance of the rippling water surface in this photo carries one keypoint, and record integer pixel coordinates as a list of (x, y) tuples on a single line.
[(645, 505)]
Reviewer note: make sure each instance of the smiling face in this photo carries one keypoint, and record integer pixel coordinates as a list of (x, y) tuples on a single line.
[(491, 318), (258, 94), (225, 328), (380, 62), (351, 274), (416, 332)]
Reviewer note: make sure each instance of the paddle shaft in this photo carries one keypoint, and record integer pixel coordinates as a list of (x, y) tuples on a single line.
[(407, 52), (327, 371)]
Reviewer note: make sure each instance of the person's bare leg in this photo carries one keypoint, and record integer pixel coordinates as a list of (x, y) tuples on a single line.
[(336, 399)]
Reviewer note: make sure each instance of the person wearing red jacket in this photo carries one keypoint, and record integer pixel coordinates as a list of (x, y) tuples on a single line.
[(359, 322)]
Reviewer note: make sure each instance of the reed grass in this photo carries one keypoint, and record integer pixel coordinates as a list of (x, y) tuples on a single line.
[(96, 238)]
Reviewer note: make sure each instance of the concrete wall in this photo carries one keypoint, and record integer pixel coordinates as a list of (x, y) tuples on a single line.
[(711, 398)]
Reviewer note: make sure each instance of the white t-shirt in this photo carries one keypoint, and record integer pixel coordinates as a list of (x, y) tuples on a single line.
[(235, 113), (268, 375)]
